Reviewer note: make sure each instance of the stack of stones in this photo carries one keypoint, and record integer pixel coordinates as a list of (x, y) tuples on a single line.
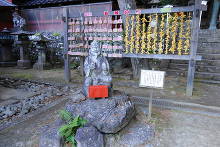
[(104, 116)]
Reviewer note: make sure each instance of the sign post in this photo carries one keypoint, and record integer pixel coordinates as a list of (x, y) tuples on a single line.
[(152, 79)]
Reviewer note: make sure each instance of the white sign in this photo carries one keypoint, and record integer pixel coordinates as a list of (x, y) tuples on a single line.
[(204, 2), (151, 78)]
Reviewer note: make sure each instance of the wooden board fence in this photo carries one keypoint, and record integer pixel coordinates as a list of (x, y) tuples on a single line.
[(158, 33)]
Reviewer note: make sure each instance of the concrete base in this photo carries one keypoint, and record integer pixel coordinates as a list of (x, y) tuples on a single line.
[(8, 64), (40, 66), (24, 64)]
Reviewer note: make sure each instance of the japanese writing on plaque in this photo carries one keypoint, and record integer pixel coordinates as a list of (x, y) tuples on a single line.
[(151, 78)]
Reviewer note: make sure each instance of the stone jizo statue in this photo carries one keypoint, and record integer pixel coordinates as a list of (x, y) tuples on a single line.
[(96, 68), (18, 21)]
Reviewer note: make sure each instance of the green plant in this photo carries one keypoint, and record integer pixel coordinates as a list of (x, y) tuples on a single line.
[(68, 131), (74, 65), (56, 34), (37, 34), (22, 75)]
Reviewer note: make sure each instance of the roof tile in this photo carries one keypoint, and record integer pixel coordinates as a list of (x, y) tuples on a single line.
[(43, 2), (5, 3)]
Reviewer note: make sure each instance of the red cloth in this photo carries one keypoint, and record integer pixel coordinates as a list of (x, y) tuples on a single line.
[(98, 91)]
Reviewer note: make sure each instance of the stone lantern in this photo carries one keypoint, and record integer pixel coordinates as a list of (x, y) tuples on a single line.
[(41, 45), (23, 42), (6, 41)]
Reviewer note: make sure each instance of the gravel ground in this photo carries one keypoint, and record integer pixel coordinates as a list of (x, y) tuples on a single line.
[(205, 94), (173, 129), (189, 130), (26, 134)]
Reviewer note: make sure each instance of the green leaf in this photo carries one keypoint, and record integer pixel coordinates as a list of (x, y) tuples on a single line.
[(68, 139), (73, 141), (65, 115), (82, 122), (68, 131), (37, 34), (165, 10), (56, 34), (63, 129)]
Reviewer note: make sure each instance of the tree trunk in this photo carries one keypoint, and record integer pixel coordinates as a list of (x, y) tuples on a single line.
[(127, 4)]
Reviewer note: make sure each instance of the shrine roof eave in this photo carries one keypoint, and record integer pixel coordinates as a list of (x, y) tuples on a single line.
[(4, 3)]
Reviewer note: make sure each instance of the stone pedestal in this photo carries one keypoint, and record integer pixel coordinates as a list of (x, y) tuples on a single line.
[(24, 62), (41, 66), (8, 64), (41, 63), (108, 115)]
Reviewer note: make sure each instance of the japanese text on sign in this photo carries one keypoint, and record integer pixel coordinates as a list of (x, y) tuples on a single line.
[(151, 78)]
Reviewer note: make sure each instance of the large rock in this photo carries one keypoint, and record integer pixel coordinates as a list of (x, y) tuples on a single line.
[(77, 96), (50, 136), (137, 134), (107, 115), (89, 137)]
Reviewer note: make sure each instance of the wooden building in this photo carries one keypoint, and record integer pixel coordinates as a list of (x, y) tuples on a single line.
[(6, 9), (46, 16)]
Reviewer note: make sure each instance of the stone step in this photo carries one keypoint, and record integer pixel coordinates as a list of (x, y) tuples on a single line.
[(199, 68), (209, 33), (210, 56), (209, 81), (212, 39), (198, 75), (176, 66), (207, 62), (210, 46), (207, 70), (204, 62), (179, 61), (209, 51)]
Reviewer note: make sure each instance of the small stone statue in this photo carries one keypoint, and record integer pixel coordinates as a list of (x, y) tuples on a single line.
[(96, 68), (18, 21)]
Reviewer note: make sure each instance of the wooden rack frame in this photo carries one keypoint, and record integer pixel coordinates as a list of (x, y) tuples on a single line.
[(192, 57)]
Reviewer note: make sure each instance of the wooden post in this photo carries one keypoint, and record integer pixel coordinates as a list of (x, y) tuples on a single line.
[(194, 46), (66, 46), (83, 41), (82, 65), (150, 104)]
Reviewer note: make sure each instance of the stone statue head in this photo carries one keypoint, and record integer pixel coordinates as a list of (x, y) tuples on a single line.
[(95, 49)]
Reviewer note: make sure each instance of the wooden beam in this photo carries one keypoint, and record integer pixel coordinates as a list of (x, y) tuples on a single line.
[(194, 45), (66, 46), (146, 56), (163, 10), (162, 56)]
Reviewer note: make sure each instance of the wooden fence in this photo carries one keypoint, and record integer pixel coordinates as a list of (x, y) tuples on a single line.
[(159, 33)]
